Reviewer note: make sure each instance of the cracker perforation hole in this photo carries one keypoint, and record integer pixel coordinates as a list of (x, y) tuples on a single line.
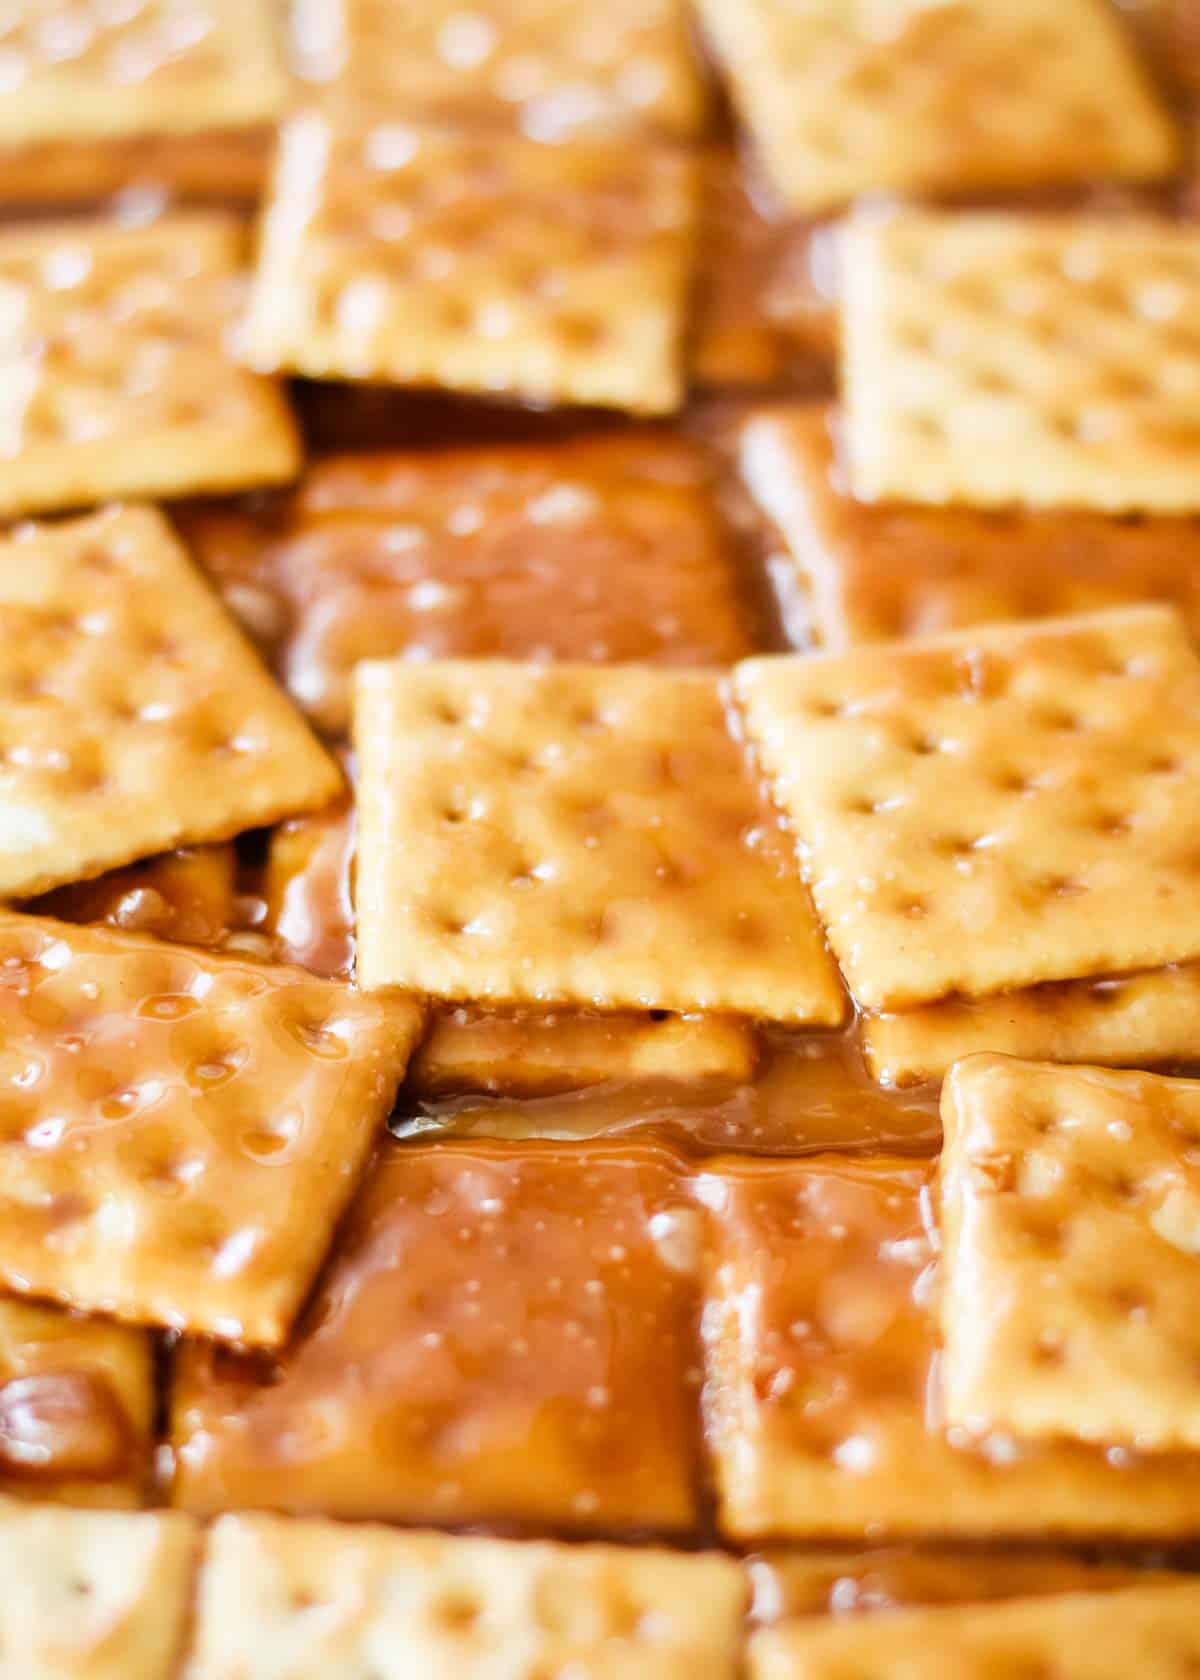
[(1061, 886), (922, 424), (458, 1612), (1113, 823), (1050, 1350), (1061, 720), (1020, 783), (912, 909)]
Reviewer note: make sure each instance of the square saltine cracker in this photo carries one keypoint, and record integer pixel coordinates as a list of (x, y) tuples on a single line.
[(846, 97), (1070, 1215), (578, 835), (116, 368), (477, 262), (1006, 358), (992, 808), (136, 716)]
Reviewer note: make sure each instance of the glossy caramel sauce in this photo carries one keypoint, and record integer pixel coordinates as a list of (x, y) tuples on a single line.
[(883, 572), (766, 306), (62, 1424), (189, 896), (504, 1335), (77, 1407), (810, 1092), (308, 892), (900, 1578), (227, 169)]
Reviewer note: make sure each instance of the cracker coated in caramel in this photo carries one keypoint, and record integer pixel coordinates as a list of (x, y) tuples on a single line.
[(505, 1335), (182, 1130), (822, 1379), (600, 549), (409, 255)]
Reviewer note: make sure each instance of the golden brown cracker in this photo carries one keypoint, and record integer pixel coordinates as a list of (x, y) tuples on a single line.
[(477, 262), (573, 834), (1120, 1020), (1070, 1216), (991, 808), (821, 1391), (875, 572), (117, 370), (80, 72), (846, 97), (182, 1130), (1149, 1631), (1001, 359), (286, 1600), (607, 549), (536, 1052), (545, 69), (93, 1595), (503, 1335), (790, 1583), (136, 716)]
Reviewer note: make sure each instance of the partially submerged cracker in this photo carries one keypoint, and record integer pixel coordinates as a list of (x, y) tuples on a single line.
[(1150, 1631), (608, 549), (504, 1335), (532, 1052), (791, 1582), (822, 1392), (878, 571)]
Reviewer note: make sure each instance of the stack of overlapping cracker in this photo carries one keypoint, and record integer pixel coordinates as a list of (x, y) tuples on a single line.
[(599, 840)]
